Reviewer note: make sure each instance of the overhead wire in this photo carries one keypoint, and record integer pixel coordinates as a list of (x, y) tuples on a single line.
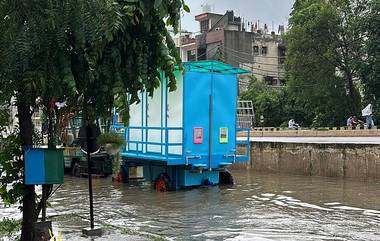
[(257, 69), (251, 61), (251, 67), (242, 52), (255, 73)]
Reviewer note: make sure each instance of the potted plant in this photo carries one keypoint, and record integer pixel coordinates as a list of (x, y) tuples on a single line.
[(112, 142)]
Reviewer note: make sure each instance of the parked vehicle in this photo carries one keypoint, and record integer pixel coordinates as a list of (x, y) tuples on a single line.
[(76, 162), (188, 137)]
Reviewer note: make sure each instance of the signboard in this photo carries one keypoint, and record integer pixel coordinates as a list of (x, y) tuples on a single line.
[(198, 135), (93, 133), (223, 135), (44, 166)]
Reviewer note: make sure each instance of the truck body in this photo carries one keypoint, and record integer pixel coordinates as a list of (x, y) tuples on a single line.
[(187, 137)]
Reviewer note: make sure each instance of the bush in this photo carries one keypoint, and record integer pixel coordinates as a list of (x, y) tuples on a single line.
[(113, 138), (9, 227)]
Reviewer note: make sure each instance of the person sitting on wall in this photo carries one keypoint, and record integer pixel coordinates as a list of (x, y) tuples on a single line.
[(292, 124), (355, 121), (349, 121)]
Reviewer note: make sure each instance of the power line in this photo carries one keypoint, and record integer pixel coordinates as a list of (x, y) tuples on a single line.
[(262, 74), (205, 53), (250, 67), (250, 54), (258, 69), (249, 60)]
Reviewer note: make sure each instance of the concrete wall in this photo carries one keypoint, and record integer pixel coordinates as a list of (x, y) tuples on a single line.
[(273, 132), (238, 47), (329, 160)]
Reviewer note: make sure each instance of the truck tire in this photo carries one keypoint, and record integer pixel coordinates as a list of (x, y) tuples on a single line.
[(162, 183), (225, 177)]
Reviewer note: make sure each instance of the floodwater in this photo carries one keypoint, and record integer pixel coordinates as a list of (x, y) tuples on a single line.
[(258, 207)]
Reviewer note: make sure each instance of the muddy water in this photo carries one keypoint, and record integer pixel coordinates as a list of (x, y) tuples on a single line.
[(259, 207)]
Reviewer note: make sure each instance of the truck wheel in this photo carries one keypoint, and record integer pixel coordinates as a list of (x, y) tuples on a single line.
[(162, 183), (226, 178), (76, 170)]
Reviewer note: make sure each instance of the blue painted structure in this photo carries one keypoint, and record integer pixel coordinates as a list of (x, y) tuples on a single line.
[(166, 142)]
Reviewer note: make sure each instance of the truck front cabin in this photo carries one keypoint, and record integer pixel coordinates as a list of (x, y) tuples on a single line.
[(187, 137)]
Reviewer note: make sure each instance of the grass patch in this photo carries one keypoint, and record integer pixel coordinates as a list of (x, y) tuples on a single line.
[(9, 227)]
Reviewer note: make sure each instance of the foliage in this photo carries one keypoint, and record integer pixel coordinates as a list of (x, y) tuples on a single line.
[(113, 138), (370, 72), (274, 104), (112, 141), (10, 161), (83, 52), (324, 46), (11, 167), (8, 227), (87, 52)]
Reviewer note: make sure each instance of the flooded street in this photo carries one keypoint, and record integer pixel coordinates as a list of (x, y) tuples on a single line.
[(259, 207)]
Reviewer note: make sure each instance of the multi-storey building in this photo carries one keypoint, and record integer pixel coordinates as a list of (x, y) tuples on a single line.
[(186, 45), (268, 54), (226, 37)]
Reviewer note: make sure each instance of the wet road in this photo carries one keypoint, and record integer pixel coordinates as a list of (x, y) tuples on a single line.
[(259, 207)]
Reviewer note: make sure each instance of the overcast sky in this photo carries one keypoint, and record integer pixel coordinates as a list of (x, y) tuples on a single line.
[(267, 11)]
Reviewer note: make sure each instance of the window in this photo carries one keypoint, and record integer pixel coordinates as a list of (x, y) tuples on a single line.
[(256, 50), (281, 55), (191, 55), (264, 50), (270, 80), (205, 26), (202, 54)]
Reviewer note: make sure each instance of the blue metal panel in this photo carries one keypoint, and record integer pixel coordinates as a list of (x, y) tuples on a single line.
[(188, 178), (224, 92), (197, 88), (34, 166)]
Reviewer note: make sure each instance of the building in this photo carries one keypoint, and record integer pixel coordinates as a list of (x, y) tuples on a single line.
[(268, 54), (227, 38), (218, 34), (186, 45)]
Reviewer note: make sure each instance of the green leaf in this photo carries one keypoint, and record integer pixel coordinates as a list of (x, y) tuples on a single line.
[(186, 8)]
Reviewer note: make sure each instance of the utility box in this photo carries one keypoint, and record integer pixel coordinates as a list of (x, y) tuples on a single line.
[(43, 166), (189, 135)]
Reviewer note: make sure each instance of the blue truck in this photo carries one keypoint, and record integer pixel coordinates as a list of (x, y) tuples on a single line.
[(187, 137)]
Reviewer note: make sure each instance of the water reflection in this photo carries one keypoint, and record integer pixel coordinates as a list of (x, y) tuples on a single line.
[(258, 207)]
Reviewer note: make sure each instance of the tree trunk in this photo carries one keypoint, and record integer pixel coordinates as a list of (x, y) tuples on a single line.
[(28, 201), (350, 83), (47, 188)]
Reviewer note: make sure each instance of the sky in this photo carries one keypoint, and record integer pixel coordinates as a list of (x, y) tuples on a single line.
[(271, 12)]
